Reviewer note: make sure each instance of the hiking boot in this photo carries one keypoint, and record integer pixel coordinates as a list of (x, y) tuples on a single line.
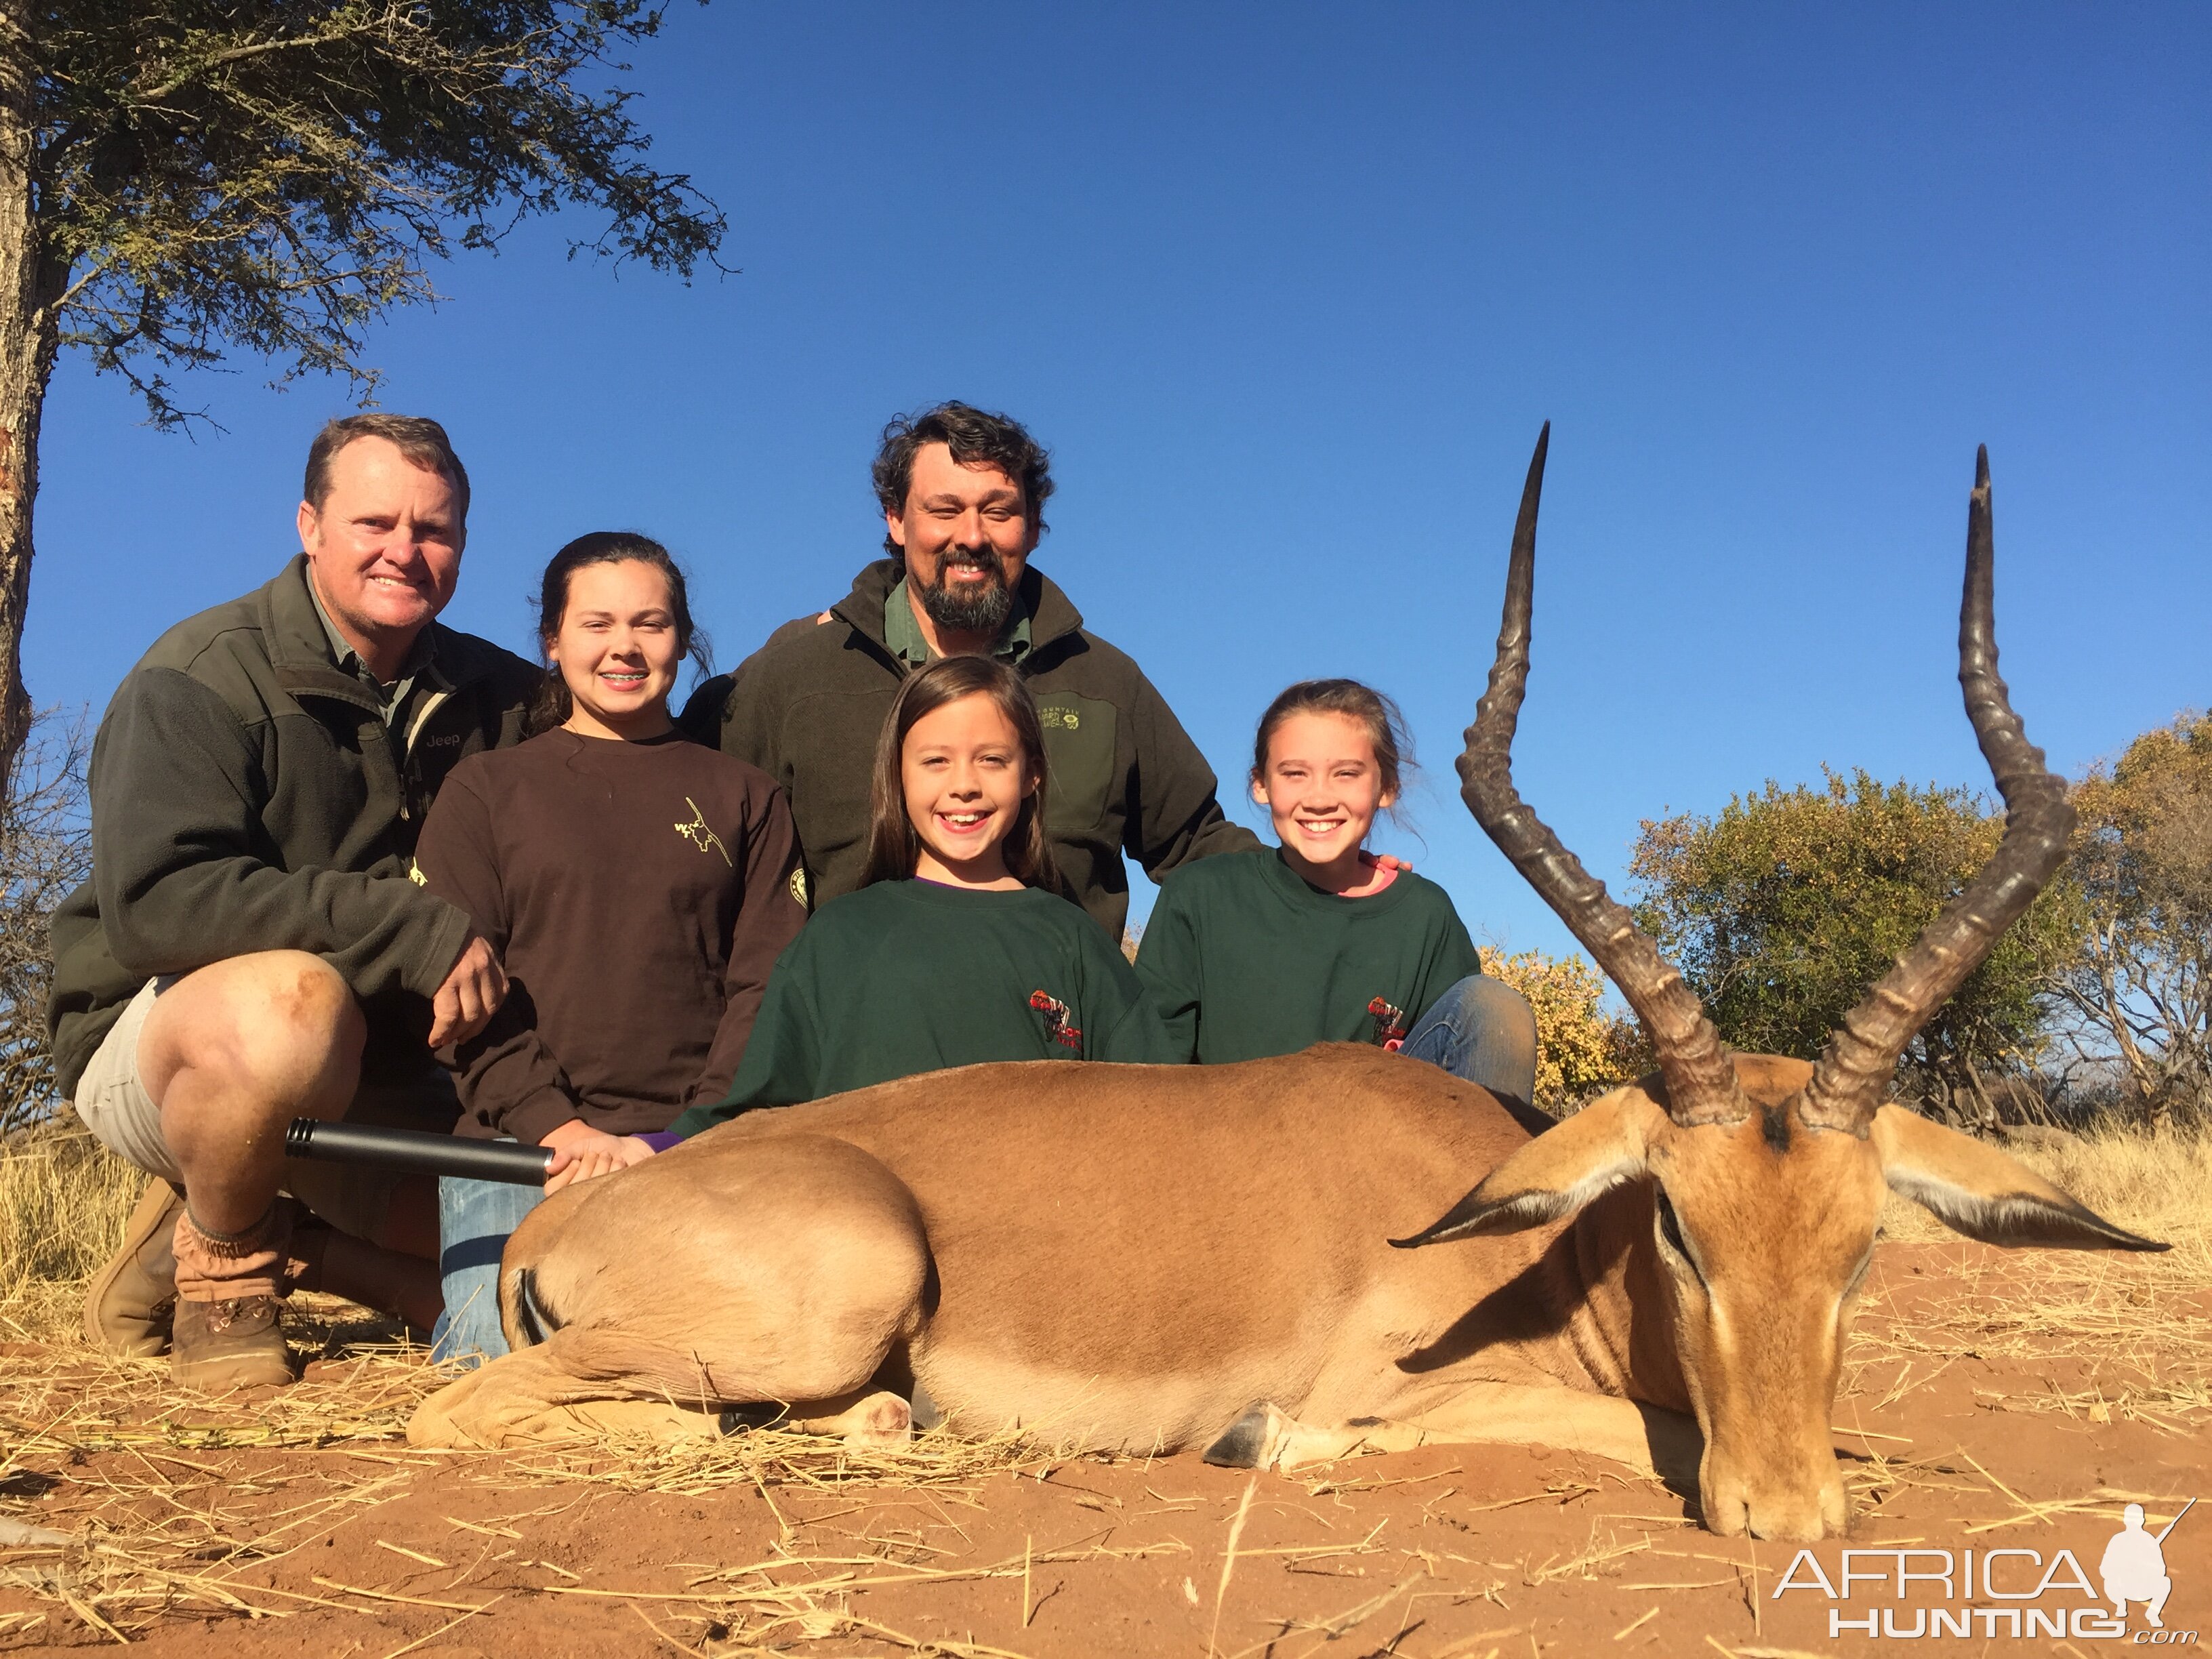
[(128, 1305), (226, 1330), (235, 1344)]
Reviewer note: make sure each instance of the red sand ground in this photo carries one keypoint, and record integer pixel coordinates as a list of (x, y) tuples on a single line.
[(1972, 1441)]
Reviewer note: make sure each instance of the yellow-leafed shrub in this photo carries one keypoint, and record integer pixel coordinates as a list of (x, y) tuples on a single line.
[(1581, 1049)]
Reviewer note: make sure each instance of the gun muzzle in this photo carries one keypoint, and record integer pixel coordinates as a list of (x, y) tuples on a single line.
[(416, 1153)]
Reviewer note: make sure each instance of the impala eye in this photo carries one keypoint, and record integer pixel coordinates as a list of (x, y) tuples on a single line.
[(1670, 1233)]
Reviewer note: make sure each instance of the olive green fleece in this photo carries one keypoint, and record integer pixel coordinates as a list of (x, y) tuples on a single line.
[(246, 797), (910, 976), (1243, 960), (806, 708)]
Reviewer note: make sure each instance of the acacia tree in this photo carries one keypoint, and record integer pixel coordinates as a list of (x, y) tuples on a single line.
[(2139, 987), (1785, 908), (179, 179)]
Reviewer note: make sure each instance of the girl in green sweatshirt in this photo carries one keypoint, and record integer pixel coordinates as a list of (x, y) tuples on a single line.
[(1253, 954), (959, 947)]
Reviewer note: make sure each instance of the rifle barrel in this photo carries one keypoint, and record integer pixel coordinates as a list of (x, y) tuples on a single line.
[(2176, 1521), (416, 1153)]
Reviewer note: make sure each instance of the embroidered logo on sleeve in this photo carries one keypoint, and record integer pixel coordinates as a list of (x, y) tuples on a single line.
[(799, 891), (700, 836), (1389, 1022), (415, 874), (1057, 1022)]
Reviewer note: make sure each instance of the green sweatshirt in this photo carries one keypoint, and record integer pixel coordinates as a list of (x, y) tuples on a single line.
[(909, 976), (1243, 960), (806, 708)]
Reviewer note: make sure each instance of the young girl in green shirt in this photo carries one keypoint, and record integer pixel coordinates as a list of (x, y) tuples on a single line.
[(1253, 954), (960, 947)]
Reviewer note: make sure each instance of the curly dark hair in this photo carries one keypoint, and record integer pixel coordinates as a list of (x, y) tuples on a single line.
[(972, 435)]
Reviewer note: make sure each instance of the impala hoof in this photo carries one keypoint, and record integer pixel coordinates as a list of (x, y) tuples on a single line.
[(758, 1414), (1244, 1444)]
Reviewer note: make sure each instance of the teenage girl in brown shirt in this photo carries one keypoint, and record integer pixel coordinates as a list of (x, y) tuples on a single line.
[(637, 887)]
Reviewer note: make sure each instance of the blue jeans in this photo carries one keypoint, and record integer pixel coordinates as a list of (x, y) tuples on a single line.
[(1483, 1030), (474, 1219)]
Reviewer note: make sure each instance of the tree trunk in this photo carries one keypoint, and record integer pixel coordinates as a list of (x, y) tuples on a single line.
[(30, 285)]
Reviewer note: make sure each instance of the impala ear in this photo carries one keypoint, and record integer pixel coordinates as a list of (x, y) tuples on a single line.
[(1979, 1191), (1556, 1174)]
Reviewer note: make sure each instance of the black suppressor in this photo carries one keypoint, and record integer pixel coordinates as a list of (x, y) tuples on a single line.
[(418, 1153)]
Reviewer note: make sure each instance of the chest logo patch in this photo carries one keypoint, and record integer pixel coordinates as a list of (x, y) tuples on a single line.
[(798, 889), (700, 836), (1389, 1022), (1057, 1025)]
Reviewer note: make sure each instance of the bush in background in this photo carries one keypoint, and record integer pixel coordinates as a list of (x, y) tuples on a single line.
[(1785, 910), (2135, 997), (1582, 1050), (45, 853)]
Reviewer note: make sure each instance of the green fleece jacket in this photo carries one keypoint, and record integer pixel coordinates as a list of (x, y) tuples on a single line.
[(912, 976), (1243, 960), (246, 796), (806, 708)]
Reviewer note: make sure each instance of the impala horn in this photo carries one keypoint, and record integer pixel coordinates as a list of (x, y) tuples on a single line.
[(1700, 1079), (1853, 1077)]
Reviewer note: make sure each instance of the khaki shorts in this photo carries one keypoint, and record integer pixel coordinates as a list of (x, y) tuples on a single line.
[(123, 1117)]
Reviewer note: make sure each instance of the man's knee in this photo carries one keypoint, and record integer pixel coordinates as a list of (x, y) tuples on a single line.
[(280, 1023)]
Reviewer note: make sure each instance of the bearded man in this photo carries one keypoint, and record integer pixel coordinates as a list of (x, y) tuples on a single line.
[(962, 493)]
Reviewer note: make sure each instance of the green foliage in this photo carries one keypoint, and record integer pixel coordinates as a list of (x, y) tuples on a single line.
[(1784, 911), (1580, 1048), (274, 174), (2139, 987)]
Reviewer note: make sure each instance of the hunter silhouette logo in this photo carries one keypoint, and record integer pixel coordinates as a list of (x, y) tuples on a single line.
[(2133, 1567), (1056, 1025)]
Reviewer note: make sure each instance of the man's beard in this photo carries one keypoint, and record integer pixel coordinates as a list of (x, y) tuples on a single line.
[(979, 610)]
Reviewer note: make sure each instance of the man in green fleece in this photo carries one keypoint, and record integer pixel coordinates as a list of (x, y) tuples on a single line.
[(250, 947), (962, 493)]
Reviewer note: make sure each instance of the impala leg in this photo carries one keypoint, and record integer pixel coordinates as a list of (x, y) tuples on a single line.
[(1264, 1438), (1647, 1440), (868, 1417), (693, 1293), (530, 1398), (535, 1396)]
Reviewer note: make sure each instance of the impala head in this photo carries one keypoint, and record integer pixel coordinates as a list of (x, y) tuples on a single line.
[(1766, 1176)]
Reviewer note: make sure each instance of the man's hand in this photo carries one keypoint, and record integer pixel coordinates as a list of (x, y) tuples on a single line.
[(582, 1153), (475, 987)]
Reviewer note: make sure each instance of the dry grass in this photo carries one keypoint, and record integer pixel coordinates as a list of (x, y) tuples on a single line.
[(63, 1199), (2109, 1337)]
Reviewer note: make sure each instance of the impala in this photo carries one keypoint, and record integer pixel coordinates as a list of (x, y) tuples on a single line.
[(1233, 1257)]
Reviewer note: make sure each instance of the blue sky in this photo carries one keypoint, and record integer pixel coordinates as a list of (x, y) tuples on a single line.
[(1289, 291)]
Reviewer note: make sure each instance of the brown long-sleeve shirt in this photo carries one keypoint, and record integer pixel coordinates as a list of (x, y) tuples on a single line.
[(638, 894)]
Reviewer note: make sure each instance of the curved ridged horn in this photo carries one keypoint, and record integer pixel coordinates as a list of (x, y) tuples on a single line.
[(1852, 1079), (1701, 1082)]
